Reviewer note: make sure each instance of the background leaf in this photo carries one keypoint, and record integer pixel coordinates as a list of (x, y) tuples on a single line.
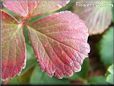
[(110, 75), (31, 60), (97, 80), (39, 77), (113, 13), (106, 49), (22, 78), (97, 15)]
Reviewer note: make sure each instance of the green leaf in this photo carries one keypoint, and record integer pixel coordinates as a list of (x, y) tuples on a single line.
[(113, 14), (111, 69), (69, 6), (84, 71), (39, 77), (110, 78), (97, 80), (31, 60), (110, 75), (106, 47), (14, 81)]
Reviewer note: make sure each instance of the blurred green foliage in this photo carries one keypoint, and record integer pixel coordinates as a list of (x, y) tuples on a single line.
[(39, 77), (97, 80), (113, 13), (110, 74), (106, 47)]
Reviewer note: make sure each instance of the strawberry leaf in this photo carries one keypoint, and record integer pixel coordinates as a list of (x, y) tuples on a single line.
[(21, 7), (60, 43), (107, 44), (97, 15), (34, 7), (13, 47), (113, 14), (47, 6)]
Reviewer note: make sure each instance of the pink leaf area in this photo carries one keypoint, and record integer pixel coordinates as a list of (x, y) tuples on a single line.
[(21, 7), (13, 47), (60, 43), (48, 6), (27, 8)]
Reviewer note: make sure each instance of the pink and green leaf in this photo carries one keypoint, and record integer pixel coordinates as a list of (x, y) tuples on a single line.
[(48, 6), (13, 47), (60, 43), (21, 7), (29, 8)]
